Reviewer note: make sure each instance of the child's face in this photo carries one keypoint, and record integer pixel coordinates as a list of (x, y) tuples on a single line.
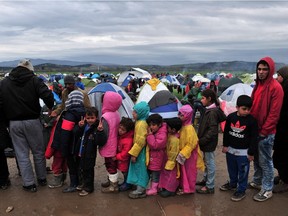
[(90, 119), (206, 101), (243, 110), (134, 114), (181, 116), (170, 130), (121, 130), (154, 127)]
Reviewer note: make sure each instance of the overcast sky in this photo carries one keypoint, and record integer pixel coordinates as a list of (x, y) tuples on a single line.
[(144, 32)]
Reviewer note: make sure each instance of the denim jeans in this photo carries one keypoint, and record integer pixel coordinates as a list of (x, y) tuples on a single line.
[(238, 169), (263, 167), (154, 175), (209, 174)]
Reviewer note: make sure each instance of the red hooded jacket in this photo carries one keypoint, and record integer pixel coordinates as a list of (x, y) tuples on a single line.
[(268, 95)]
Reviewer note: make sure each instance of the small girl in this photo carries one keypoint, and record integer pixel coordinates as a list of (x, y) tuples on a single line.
[(189, 157), (169, 178), (208, 138), (88, 138), (156, 146), (125, 142), (109, 122), (137, 173)]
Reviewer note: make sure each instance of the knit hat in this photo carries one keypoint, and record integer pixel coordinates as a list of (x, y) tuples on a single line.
[(27, 64), (283, 72), (75, 98), (68, 79)]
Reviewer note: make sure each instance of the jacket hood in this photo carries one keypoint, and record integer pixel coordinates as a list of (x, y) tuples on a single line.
[(271, 65), (187, 112), (142, 109), (20, 75), (284, 73), (111, 102)]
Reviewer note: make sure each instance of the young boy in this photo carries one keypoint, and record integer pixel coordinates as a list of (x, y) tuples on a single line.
[(239, 144), (89, 138)]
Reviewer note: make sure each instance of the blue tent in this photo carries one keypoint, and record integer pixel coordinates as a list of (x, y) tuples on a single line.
[(96, 93), (127, 80)]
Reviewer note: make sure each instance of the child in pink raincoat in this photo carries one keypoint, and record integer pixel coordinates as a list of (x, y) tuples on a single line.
[(155, 150)]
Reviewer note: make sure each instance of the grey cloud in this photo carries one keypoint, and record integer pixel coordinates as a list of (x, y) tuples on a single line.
[(162, 32)]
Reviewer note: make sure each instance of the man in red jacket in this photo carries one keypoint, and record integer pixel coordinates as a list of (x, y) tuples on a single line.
[(267, 99)]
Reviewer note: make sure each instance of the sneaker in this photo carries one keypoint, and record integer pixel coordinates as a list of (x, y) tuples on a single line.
[(84, 193), (42, 182), (237, 196), (255, 186), (205, 190), (69, 189), (201, 183), (263, 195), (165, 193), (30, 188), (137, 194), (227, 187), (80, 187), (125, 186)]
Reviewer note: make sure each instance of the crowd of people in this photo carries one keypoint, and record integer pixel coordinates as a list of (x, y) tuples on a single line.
[(154, 155)]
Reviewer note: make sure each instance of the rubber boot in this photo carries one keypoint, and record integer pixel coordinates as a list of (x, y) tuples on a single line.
[(56, 181), (138, 193), (153, 190), (113, 186), (106, 184)]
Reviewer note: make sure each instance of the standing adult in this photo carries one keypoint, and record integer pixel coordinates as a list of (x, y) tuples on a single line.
[(267, 99), (280, 154), (70, 86), (21, 92)]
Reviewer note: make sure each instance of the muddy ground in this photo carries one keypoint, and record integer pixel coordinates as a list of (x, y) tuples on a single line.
[(52, 202)]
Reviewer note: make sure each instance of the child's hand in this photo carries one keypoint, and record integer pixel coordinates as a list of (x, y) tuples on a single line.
[(250, 157), (100, 126), (180, 159), (224, 149), (133, 159), (81, 122), (149, 130)]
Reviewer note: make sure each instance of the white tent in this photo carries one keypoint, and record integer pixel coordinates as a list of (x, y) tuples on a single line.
[(136, 72), (229, 97)]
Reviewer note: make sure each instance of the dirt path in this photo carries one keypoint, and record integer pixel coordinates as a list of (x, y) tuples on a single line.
[(52, 202)]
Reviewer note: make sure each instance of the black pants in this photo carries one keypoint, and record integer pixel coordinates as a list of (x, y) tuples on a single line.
[(73, 163), (87, 167), (280, 162), (4, 172)]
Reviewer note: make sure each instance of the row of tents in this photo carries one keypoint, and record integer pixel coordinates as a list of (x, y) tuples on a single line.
[(161, 100)]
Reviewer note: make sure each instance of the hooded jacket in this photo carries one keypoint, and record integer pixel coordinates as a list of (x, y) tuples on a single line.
[(139, 142), (156, 148), (21, 91), (208, 129), (268, 106), (111, 103), (188, 137)]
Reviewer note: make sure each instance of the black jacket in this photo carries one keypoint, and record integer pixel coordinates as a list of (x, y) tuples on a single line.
[(21, 92), (208, 129)]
